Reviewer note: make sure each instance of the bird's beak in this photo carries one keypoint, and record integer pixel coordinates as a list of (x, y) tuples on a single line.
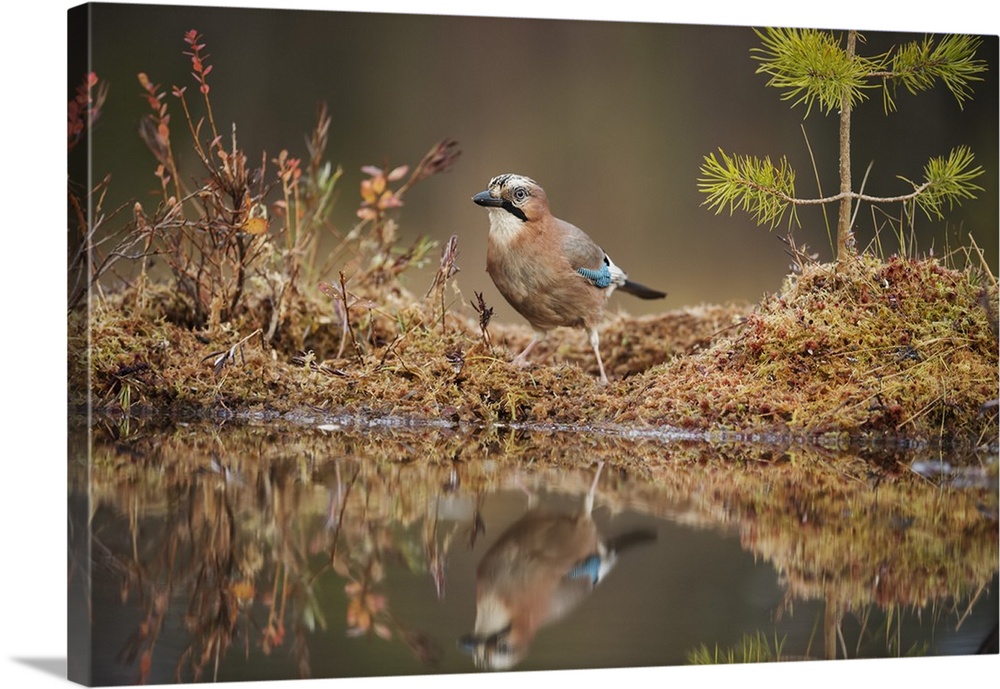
[(468, 643), (484, 198)]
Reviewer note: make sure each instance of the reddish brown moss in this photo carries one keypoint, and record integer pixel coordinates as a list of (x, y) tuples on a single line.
[(863, 348)]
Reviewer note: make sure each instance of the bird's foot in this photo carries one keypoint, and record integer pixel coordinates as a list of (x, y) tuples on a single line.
[(520, 361)]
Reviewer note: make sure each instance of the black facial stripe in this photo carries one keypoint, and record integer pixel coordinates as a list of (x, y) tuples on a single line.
[(514, 210)]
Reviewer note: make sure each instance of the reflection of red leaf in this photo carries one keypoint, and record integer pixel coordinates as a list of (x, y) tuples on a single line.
[(359, 620), (242, 590), (274, 636), (375, 603), (145, 664), (383, 631)]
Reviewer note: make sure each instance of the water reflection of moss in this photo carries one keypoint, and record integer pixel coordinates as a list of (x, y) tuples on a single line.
[(852, 532), (858, 541)]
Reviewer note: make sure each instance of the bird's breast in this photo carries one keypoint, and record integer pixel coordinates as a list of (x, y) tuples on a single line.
[(538, 281)]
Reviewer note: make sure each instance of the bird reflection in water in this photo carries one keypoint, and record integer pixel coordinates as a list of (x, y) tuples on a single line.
[(539, 570)]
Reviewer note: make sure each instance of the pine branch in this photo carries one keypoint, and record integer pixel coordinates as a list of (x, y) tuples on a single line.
[(766, 191), (811, 67), (756, 186), (948, 180), (919, 65)]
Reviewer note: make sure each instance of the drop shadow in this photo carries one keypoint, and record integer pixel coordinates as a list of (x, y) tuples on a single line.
[(51, 666)]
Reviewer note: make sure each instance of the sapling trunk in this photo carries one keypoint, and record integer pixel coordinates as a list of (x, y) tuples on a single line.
[(845, 236)]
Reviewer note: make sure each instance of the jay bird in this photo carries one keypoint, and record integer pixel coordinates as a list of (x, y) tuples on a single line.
[(540, 568), (549, 270)]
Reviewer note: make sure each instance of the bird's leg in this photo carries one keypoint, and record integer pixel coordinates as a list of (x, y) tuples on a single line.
[(588, 504), (521, 360), (519, 484), (594, 342)]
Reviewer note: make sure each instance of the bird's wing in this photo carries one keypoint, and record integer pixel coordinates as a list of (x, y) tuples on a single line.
[(580, 250), (588, 259)]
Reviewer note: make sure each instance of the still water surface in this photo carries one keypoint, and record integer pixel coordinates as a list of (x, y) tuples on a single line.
[(252, 552)]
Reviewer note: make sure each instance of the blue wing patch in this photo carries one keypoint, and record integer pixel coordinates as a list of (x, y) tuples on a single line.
[(587, 568), (598, 278)]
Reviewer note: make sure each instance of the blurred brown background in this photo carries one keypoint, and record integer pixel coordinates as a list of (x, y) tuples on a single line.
[(612, 118)]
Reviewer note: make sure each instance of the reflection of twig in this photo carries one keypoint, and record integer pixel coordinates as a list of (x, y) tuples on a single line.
[(426, 650), (478, 526), (343, 508), (968, 609), (333, 517), (436, 553), (214, 573)]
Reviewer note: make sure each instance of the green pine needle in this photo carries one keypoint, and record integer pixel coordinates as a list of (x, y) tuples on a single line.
[(918, 65), (949, 180), (756, 186), (811, 67)]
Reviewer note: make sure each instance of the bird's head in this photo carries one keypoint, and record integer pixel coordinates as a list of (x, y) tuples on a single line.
[(494, 652), (497, 643), (516, 196)]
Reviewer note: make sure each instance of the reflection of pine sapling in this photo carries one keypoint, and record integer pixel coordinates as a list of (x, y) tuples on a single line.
[(812, 67)]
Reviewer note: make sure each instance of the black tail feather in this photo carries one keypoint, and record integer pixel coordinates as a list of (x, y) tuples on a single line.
[(622, 542), (641, 291)]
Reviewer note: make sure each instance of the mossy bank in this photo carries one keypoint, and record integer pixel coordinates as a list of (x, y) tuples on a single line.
[(902, 351)]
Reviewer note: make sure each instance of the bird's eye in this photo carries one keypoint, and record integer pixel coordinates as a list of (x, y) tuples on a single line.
[(520, 194)]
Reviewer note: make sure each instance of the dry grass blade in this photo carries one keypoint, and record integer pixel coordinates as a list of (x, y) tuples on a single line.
[(229, 356)]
